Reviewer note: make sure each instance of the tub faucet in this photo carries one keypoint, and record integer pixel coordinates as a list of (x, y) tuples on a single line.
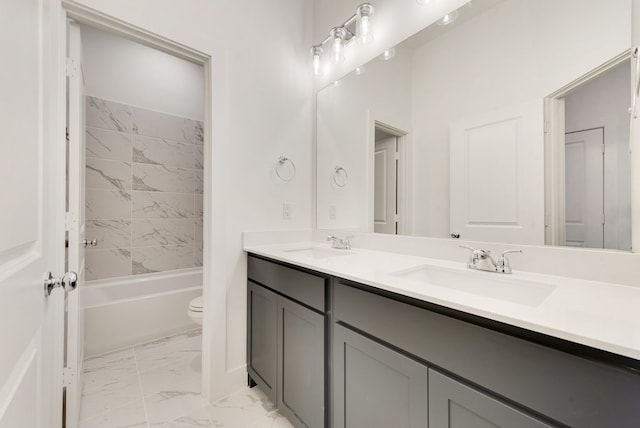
[(481, 260), (339, 243)]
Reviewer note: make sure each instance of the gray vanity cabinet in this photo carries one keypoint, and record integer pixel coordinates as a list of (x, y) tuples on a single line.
[(286, 339), (262, 311), (300, 364), (375, 386), (455, 405)]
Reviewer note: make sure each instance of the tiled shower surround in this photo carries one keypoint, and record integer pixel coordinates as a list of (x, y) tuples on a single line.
[(143, 190)]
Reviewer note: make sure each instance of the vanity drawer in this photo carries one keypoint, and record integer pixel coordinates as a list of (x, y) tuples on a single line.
[(303, 287), (565, 388)]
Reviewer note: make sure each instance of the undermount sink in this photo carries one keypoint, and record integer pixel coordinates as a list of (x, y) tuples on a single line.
[(486, 284), (317, 253)]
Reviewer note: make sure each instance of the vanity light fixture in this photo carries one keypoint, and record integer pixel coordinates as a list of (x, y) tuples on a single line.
[(388, 54), (448, 18), (338, 36), (316, 51), (359, 26), (363, 23)]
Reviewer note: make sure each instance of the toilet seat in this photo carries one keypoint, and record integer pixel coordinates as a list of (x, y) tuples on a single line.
[(196, 304)]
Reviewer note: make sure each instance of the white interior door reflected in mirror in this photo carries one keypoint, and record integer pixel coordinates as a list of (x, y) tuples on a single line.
[(386, 185), (584, 188), (497, 179)]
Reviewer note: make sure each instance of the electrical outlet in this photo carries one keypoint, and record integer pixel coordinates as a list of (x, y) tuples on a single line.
[(332, 212), (287, 211)]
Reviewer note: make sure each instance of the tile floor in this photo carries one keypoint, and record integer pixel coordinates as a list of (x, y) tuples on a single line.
[(157, 384)]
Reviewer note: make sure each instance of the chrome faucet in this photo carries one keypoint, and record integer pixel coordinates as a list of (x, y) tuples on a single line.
[(482, 260), (339, 243)]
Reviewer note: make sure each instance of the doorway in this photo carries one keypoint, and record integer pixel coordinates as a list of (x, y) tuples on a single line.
[(588, 163), (389, 164), (136, 121)]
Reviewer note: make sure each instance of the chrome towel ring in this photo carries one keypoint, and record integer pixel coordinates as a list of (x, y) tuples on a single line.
[(284, 164), (340, 176)]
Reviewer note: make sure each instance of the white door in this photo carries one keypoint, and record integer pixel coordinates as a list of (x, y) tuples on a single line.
[(385, 187), (584, 188), (497, 175), (76, 225), (31, 215)]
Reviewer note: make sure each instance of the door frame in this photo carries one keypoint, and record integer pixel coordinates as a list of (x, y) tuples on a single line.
[(554, 135), (83, 14), (403, 181)]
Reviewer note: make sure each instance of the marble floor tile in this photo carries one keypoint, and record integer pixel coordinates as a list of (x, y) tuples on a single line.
[(168, 406), (131, 415), (272, 420), (121, 363), (157, 385), (157, 355), (104, 391), (171, 379)]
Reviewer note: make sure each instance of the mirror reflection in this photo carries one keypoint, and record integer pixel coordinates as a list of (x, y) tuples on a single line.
[(510, 124)]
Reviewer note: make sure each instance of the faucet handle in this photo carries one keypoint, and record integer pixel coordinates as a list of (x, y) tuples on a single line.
[(504, 253), (503, 265)]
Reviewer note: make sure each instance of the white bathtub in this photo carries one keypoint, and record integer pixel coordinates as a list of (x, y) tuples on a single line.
[(121, 312)]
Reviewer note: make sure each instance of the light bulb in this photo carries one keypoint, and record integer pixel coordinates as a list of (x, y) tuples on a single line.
[(359, 70), (423, 2), (316, 51), (337, 35), (388, 54), (335, 83), (364, 23), (448, 18)]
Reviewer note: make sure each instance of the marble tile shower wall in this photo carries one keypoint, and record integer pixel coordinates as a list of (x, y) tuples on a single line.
[(144, 188)]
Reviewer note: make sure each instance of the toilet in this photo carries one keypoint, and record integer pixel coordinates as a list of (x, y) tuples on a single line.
[(195, 310)]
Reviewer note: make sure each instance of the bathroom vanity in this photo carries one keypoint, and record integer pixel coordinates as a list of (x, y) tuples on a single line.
[(337, 344)]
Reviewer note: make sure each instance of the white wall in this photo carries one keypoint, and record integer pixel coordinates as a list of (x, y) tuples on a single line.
[(604, 102), (121, 70), (262, 102), (345, 123)]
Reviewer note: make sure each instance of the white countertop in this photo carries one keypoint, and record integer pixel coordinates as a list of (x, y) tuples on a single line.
[(600, 315)]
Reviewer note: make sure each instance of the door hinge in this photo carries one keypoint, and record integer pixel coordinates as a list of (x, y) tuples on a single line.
[(71, 67), (396, 155), (602, 148), (396, 218), (68, 377), (69, 220), (603, 219)]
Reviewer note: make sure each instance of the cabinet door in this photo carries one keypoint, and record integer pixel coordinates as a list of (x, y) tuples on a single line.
[(376, 387), (301, 356), (262, 306), (455, 405)]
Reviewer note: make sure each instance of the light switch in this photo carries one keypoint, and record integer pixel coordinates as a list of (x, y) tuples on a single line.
[(332, 212), (287, 211)]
